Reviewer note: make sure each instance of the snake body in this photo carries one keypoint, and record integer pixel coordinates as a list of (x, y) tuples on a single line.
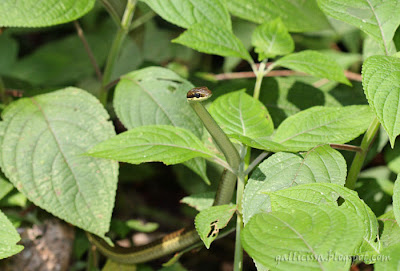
[(185, 237)]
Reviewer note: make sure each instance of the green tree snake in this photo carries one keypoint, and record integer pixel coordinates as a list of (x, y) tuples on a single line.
[(185, 237)]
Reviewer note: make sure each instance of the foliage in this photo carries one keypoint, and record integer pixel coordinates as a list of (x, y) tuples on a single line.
[(311, 180)]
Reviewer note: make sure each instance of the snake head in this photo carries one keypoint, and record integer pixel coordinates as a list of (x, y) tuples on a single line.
[(198, 94)]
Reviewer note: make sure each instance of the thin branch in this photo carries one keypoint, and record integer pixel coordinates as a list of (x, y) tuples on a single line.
[(320, 83), (255, 162), (277, 73), (112, 83), (81, 35), (346, 147), (113, 13), (142, 19), (353, 76)]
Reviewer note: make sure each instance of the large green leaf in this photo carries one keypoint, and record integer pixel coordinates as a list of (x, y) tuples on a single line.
[(310, 238), (298, 16), (8, 238), (314, 63), (272, 39), (186, 13), (31, 13), (374, 17), (153, 143), (213, 39), (43, 139), (318, 125), (157, 95), (381, 81), (282, 170), (239, 113), (330, 194), (209, 221)]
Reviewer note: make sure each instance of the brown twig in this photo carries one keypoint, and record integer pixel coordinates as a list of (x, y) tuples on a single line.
[(353, 76), (81, 35), (238, 75)]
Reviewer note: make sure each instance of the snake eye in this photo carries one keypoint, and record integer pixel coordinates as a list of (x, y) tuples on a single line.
[(197, 95)]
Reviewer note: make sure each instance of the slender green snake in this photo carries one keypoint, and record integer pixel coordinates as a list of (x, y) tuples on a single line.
[(185, 237)]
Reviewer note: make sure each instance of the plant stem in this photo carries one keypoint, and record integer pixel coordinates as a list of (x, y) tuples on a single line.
[(238, 261), (359, 158), (89, 51), (255, 162), (142, 19), (346, 147), (259, 78), (112, 11), (245, 160), (116, 47)]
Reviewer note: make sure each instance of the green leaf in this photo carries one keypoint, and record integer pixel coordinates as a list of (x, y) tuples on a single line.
[(287, 96), (381, 82), (5, 187), (392, 158), (263, 143), (316, 233), (314, 63), (200, 201), (371, 47), (239, 113), (150, 96), (60, 62), (389, 260), (396, 199), (391, 230), (272, 39), (125, 62), (30, 13), (199, 166), (13, 199), (375, 188), (374, 17), (213, 39), (297, 16), (155, 95), (139, 225), (317, 194), (242, 30), (8, 52), (8, 238), (153, 143), (319, 125), (113, 266), (282, 170), (209, 221), (42, 142), (186, 13)]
